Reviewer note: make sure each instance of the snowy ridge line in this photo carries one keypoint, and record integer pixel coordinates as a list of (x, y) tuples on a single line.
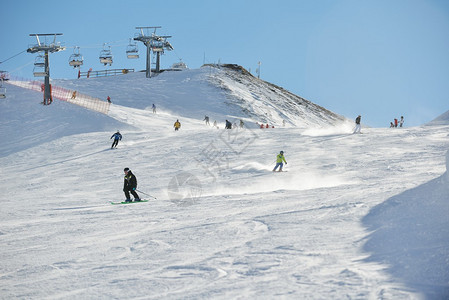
[(269, 103), (64, 94)]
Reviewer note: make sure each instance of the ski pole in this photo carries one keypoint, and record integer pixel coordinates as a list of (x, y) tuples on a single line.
[(146, 194)]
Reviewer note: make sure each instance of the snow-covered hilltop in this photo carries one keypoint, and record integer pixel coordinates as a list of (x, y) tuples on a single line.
[(269, 103), (221, 92)]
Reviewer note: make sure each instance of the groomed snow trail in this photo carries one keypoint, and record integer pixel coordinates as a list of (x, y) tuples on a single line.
[(241, 232)]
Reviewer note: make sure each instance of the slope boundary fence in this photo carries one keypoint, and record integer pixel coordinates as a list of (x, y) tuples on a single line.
[(64, 94), (104, 73)]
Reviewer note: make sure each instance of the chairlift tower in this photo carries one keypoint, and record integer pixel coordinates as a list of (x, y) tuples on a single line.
[(154, 43), (43, 46)]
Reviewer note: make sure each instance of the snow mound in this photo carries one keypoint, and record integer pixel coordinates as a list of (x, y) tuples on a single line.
[(251, 167), (410, 234)]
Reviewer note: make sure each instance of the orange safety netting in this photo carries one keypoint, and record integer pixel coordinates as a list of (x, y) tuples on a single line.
[(67, 95)]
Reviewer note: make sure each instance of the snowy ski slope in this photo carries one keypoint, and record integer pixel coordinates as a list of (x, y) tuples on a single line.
[(354, 217)]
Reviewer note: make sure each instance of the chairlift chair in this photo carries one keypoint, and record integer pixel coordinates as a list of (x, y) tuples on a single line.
[(39, 72), (39, 61), (132, 51), (106, 60), (39, 66), (2, 89), (106, 56), (76, 59)]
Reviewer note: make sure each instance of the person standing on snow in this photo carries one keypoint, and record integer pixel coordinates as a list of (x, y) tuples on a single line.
[(395, 122), (401, 122), (154, 108), (109, 99), (177, 125), (130, 185), (279, 159), (358, 126), (117, 136), (206, 118)]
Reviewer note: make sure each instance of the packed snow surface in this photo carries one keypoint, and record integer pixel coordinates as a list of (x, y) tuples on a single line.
[(355, 216)]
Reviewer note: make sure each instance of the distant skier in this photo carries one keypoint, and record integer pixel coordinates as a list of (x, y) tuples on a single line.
[(279, 159), (130, 185), (241, 124), (401, 122), (215, 124), (358, 126), (74, 95), (395, 122), (117, 137), (154, 108), (391, 125), (177, 125), (228, 125), (206, 118), (109, 99)]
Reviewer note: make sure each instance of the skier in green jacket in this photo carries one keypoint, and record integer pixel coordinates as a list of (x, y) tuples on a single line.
[(279, 159)]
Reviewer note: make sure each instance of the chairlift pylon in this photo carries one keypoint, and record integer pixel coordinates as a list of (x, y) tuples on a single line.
[(106, 55), (76, 59)]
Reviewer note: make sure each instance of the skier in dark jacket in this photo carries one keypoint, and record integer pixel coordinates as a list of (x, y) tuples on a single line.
[(130, 185), (358, 126), (117, 136)]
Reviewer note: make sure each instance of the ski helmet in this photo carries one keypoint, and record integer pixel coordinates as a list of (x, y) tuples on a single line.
[(126, 169)]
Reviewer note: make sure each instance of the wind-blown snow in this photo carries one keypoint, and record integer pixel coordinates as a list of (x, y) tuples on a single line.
[(355, 216)]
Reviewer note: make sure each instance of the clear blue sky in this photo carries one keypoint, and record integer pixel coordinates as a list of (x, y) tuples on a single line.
[(378, 58)]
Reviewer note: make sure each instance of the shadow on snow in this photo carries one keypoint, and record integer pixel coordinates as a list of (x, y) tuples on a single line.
[(410, 235)]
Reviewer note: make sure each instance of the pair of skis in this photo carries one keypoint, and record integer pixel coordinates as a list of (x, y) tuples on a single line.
[(131, 202)]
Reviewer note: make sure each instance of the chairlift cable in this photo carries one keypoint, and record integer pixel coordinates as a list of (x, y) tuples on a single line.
[(21, 67), (180, 58), (97, 46), (12, 56)]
